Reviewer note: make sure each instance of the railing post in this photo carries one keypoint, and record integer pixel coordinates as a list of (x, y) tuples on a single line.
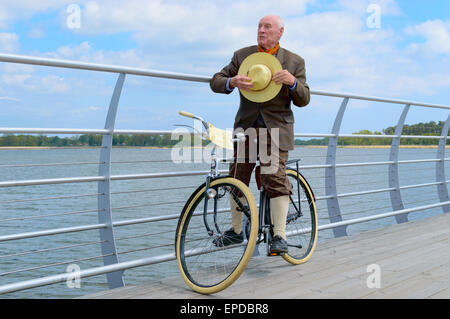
[(440, 167), (395, 195), (334, 211), (108, 245)]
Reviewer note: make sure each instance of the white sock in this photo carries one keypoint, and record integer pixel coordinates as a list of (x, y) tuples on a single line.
[(236, 216), (278, 210)]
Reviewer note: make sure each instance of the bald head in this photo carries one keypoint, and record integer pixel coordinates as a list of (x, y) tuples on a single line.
[(270, 30)]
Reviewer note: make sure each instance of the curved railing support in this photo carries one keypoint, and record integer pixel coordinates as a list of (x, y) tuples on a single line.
[(440, 167), (108, 246), (395, 194), (334, 211)]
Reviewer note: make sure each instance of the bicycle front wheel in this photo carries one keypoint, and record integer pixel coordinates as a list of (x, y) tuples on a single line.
[(206, 266), (301, 223)]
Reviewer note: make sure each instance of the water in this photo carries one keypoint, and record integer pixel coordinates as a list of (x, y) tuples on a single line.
[(43, 256)]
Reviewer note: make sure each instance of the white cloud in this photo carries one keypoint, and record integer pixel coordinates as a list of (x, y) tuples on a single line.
[(36, 33), (9, 42), (53, 84), (359, 7), (436, 34), (15, 79), (89, 110), (7, 98), (49, 83), (80, 51), (11, 11), (183, 22), (341, 52)]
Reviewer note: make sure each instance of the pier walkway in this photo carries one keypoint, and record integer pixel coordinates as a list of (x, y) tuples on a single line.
[(413, 260)]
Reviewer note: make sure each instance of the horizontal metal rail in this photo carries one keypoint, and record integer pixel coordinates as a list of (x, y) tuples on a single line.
[(14, 58), (378, 99), (175, 216), (32, 182), (27, 284), (51, 232), (99, 178), (185, 173), (17, 130), (366, 135), (50, 164)]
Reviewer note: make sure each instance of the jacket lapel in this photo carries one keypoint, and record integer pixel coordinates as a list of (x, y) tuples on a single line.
[(281, 57)]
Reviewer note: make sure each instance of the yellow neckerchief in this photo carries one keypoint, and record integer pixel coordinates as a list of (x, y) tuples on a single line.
[(272, 51)]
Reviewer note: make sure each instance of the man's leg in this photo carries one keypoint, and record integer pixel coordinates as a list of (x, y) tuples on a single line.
[(241, 169), (278, 187), (279, 210)]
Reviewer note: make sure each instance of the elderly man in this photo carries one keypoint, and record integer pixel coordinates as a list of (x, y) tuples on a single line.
[(274, 114)]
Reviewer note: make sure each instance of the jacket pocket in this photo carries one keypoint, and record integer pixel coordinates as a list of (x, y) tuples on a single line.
[(289, 118)]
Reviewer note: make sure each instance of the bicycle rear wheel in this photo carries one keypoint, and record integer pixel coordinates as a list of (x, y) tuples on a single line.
[(301, 224), (204, 265)]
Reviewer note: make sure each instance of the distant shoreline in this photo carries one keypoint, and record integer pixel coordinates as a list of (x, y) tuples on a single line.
[(74, 147), (166, 147), (372, 146)]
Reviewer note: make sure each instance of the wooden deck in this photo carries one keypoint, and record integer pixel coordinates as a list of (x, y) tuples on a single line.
[(414, 260)]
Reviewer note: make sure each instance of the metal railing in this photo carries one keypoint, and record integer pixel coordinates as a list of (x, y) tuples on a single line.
[(332, 213)]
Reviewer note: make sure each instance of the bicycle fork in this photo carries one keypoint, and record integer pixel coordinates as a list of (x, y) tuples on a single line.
[(212, 194), (265, 220)]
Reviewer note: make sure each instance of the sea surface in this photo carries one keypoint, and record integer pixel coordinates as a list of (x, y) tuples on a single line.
[(26, 209)]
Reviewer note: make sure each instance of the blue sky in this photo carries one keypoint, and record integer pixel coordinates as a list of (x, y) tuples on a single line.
[(407, 56)]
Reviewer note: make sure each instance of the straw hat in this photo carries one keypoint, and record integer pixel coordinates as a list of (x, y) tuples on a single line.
[(260, 67)]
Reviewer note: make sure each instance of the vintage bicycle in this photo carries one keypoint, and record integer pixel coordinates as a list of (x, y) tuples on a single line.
[(208, 266)]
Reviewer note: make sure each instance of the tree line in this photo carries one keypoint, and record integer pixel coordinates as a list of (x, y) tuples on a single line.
[(423, 129), (164, 140), (85, 140)]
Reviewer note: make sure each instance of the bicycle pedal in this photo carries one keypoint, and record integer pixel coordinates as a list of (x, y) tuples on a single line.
[(275, 254)]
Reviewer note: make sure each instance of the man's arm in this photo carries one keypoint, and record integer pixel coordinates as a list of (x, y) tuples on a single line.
[(296, 82), (219, 80), (300, 95)]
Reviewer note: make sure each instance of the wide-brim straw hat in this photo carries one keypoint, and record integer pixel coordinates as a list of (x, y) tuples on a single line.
[(260, 67)]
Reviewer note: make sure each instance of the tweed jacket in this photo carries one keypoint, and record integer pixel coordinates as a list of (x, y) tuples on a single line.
[(277, 113)]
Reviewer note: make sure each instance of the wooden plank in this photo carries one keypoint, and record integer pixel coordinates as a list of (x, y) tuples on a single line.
[(330, 271), (413, 257)]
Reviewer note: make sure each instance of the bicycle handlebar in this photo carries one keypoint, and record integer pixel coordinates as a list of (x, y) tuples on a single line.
[(240, 137), (192, 116), (187, 114)]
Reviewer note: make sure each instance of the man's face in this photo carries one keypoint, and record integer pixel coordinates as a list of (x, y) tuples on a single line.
[(269, 33)]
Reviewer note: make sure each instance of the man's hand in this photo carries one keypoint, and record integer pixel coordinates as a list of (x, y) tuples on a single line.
[(241, 81), (284, 77)]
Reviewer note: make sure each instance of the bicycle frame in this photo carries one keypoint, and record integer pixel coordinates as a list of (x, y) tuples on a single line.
[(206, 233), (264, 218)]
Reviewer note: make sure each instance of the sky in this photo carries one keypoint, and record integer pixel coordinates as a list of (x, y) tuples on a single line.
[(387, 48)]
